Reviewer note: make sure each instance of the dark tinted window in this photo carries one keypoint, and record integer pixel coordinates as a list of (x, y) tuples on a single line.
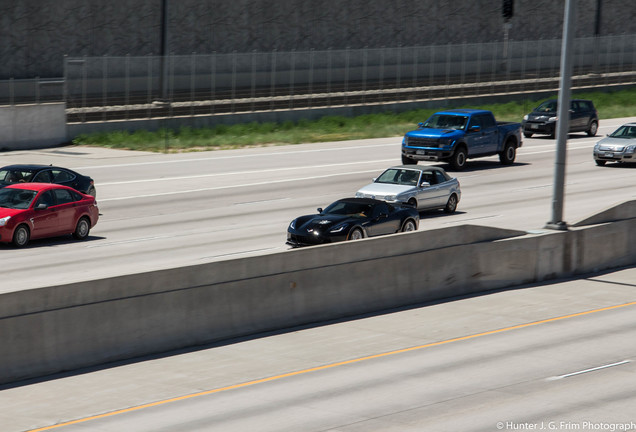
[(487, 121), (60, 176), (63, 196), (45, 197), (43, 177)]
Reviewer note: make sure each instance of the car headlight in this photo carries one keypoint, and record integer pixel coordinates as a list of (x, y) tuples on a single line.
[(338, 228), (4, 220), (630, 149), (553, 119), (390, 198), (596, 147), (405, 141), (525, 117), (359, 195), (292, 225)]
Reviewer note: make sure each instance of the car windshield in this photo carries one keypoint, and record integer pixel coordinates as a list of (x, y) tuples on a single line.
[(349, 208), (399, 176), (547, 106), (16, 198), (624, 132), (446, 121), (9, 176)]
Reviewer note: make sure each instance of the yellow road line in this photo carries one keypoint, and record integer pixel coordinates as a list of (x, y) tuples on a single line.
[(331, 365)]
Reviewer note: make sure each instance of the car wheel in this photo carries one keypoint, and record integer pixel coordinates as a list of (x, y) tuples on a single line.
[(451, 204), (21, 236), (408, 161), (458, 160), (593, 129), (82, 229), (92, 192), (409, 225), (356, 234), (507, 156), (600, 162), (528, 134)]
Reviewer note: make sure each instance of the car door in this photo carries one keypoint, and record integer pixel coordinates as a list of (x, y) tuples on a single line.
[(429, 197), (383, 221), (66, 208), (578, 120), (44, 222), (490, 133)]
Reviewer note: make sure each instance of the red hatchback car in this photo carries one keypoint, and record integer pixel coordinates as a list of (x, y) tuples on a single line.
[(39, 210)]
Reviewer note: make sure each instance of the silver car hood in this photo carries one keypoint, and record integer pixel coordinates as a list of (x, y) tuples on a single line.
[(382, 189), (616, 144)]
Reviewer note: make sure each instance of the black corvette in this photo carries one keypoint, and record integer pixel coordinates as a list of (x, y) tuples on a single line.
[(351, 219), (46, 174)]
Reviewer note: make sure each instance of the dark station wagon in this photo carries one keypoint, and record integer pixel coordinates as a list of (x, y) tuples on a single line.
[(543, 119)]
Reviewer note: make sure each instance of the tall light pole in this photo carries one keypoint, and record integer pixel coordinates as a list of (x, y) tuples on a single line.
[(163, 49), (563, 117)]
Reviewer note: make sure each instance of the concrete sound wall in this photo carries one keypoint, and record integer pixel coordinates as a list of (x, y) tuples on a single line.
[(32, 126), (47, 330)]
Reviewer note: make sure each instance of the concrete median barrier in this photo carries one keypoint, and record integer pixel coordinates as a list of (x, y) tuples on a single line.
[(48, 330)]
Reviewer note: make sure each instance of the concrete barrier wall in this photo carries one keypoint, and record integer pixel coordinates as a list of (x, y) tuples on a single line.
[(32, 126), (47, 330)]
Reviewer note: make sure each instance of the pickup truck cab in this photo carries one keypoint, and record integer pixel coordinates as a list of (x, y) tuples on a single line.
[(460, 134)]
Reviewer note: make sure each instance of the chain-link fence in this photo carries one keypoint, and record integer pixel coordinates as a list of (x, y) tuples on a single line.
[(114, 88)]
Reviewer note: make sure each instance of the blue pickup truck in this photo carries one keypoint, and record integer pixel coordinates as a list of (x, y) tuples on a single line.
[(460, 134)]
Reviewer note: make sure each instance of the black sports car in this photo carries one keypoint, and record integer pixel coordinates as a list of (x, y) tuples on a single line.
[(46, 174), (352, 219)]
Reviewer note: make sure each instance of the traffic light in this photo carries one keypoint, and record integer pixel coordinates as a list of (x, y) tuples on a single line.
[(507, 9)]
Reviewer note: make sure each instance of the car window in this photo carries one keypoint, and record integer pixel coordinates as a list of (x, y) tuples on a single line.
[(61, 176), (45, 197), (380, 208), (487, 121), (63, 196), (43, 177), (475, 121), (16, 198), (427, 176), (408, 177), (16, 176), (440, 177)]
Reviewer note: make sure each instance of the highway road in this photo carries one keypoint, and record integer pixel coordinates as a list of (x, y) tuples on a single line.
[(168, 210), (558, 356)]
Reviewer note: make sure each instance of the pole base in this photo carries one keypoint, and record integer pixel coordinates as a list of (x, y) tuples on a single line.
[(560, 226)]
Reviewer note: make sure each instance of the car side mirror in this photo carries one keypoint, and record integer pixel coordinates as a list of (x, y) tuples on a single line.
[(420, 125), (319, 210), (475, 128), (42, 206), (425, 184)]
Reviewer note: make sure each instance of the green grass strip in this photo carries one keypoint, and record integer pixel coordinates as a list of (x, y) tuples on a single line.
[(613, 104)]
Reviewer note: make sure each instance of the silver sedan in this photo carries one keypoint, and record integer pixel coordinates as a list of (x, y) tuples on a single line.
[(619, 146), (423, 187)]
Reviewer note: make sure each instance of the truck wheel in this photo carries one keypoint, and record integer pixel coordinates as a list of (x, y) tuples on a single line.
[(528, 134), (408, 161), (458, 160), (507, 156)]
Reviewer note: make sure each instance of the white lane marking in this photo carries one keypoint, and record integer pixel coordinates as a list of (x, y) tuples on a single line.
[(249, 172), (261, 201), (234, 186), (242, 156), (588, 370)]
